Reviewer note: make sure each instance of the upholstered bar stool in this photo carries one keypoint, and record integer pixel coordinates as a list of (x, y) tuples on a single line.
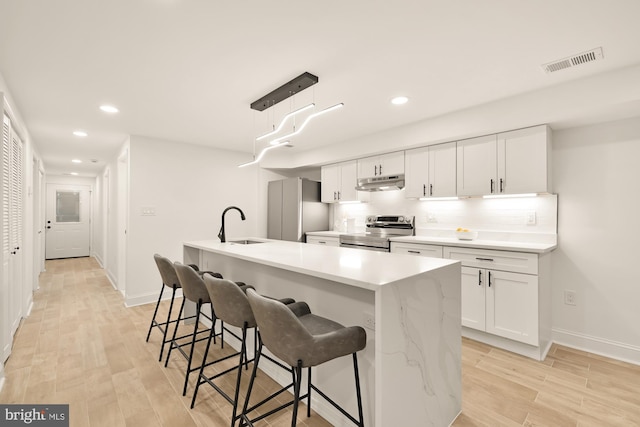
[(232, 307), (194, 290), (302, 340), (169, 280)]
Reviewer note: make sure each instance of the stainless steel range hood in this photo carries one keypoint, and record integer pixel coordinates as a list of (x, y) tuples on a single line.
[(381, 183)]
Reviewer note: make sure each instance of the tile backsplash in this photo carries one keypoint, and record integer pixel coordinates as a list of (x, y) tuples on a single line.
[(491, 217)]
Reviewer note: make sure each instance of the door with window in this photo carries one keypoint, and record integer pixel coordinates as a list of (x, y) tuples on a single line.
[(68, 232)]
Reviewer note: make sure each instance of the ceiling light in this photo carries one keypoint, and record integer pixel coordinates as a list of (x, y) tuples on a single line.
[(73, 173), (262, 153), (284, 119), (306, 121), (399, 100), (109, 109), (285, 91), (80, 133), (76, 161)]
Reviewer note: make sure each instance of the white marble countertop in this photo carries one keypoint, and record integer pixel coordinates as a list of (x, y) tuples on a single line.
[(503, 245), (355, 267), (324, 233)]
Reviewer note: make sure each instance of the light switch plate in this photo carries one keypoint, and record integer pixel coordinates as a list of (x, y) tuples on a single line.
[(531, 218)]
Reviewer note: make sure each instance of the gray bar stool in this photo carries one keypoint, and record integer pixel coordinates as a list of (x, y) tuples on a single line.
[(232, 307), (302, 340), (169, 280), (194, 290)]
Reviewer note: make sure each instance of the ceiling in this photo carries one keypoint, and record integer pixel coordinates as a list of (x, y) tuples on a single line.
[(187, 70)]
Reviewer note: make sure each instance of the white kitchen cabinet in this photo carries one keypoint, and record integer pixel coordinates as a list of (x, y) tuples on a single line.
[(339, 182), (383, 165), (322, 240), (501, 295), (524, 161), (433, 251), (513, 162), (477, 166), (431, 171)]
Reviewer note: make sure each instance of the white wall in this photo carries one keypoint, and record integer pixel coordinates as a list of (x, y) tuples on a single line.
[(188, 186), (597, 178)]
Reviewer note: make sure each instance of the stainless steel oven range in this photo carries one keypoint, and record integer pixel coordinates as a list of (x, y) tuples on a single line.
[(379, 228)]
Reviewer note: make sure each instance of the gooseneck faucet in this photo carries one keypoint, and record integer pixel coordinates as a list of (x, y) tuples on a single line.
[(221, 234)]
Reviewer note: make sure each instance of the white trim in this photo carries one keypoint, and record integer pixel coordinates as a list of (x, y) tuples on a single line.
[(149, 298), (97, 257), (596, 345), (522, 349), (112, 279)]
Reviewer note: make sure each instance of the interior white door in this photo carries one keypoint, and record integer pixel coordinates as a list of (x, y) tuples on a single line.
[(5, 321), (68, 232)]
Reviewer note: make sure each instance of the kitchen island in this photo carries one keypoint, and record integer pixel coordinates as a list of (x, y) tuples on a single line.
[(411, 368)]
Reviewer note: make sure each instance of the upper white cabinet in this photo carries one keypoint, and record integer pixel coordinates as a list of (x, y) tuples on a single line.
[(524, 161), (383, 165), (508, 163), (339, 183), (431, 171)]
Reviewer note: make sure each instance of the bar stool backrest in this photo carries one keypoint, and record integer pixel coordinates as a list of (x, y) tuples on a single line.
[(167, 271), (281, 331), (193, 286), (231, 303)]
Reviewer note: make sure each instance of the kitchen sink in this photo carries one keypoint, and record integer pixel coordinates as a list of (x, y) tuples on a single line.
[(245, 242)]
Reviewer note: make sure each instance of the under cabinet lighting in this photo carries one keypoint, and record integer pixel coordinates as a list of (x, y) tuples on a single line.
[(439, 198), (349, 202), (508, 196)]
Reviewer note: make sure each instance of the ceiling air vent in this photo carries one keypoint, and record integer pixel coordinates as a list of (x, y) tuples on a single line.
[(572, 61)]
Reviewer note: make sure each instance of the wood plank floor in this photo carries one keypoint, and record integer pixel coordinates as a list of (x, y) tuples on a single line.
[(81, 346)]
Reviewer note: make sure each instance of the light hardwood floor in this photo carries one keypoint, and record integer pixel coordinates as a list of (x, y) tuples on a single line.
[(81, 346)]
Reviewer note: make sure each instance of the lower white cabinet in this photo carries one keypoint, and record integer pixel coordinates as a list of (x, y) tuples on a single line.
[(322, 240), (501, 303), (433, 251), (502, 296)]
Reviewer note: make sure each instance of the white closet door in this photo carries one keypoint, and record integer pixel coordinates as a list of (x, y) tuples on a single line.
[(5, 183), (16, 232)]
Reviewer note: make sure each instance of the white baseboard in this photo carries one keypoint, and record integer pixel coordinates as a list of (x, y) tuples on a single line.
[(596, 345), (100, 261), (1, 376), (112, 279), (149, 298)]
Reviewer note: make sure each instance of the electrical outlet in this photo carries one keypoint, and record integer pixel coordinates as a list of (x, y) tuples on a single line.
[(569, 297), (531, 218), (368, 321)]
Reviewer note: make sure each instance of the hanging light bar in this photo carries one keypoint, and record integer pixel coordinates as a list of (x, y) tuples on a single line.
[(306, 121), (284, 119), (262, 153)]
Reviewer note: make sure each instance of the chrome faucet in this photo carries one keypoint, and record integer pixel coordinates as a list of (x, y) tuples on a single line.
[(221, 234)]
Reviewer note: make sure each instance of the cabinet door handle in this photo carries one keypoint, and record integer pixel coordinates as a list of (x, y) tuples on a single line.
[(501, 186), (489, 283), (321, 242), (491, 186), (424, 189), (431, 189), (479, 277), (339, 195), (375, 170), (414, 252), (334, 195), (380, 169), (484, 259)]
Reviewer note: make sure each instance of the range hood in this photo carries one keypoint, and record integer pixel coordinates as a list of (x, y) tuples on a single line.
[(381, 183)]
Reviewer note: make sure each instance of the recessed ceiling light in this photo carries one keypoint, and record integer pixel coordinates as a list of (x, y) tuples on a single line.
[(76, 161), (80, 133), (399, 100), (109, 109), (73, 173)]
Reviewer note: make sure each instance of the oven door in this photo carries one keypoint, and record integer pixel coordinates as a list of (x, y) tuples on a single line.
[(364, 246)]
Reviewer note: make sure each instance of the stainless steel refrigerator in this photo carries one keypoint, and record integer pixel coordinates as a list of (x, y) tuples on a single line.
[(295, 208)]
